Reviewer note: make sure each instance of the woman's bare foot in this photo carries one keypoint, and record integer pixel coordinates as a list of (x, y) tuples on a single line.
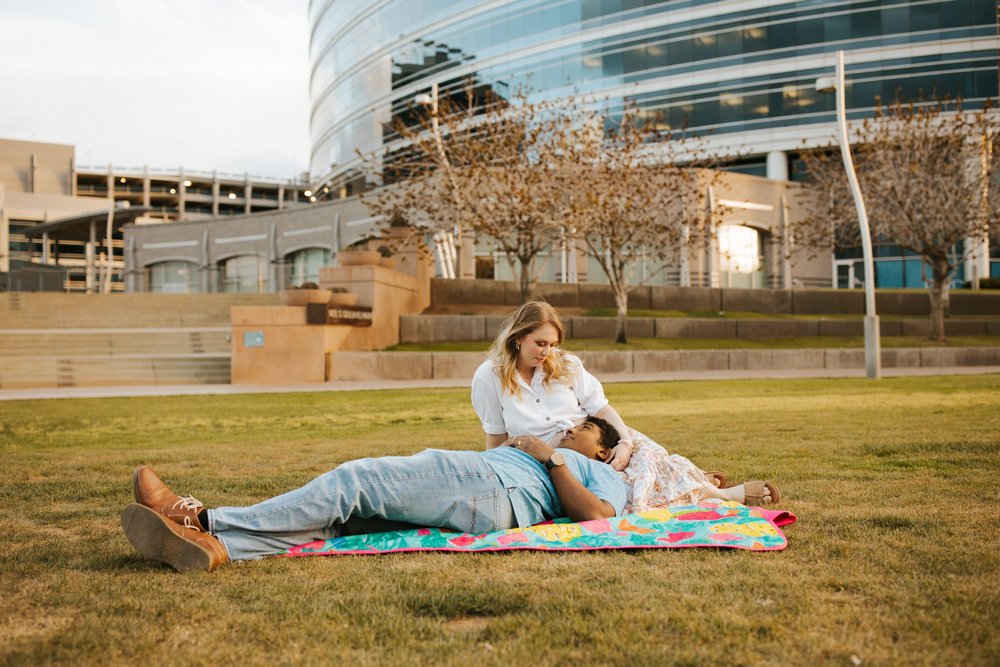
[(718, 479), (750, 493)]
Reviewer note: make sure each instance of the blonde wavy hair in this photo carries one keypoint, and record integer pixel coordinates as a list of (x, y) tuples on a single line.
[(504, 350)]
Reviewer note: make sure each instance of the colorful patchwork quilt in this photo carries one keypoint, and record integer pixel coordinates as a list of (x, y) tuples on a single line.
[(708, 524)]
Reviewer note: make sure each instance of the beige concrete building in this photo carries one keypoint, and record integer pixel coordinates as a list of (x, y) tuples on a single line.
[(179, 194), (54, 215), (240, 235), (265, 252), (36, 187)]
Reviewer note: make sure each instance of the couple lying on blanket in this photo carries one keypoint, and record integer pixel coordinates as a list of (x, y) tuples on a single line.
[(554, 447)]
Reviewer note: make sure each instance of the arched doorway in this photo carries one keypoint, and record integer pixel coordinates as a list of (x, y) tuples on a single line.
[(304, 265), (243, 273), (173, 277)]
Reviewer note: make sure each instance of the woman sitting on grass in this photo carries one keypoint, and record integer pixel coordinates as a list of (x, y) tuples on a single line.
[(528, 386)]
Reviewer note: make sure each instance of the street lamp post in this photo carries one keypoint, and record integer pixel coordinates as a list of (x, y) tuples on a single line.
[(826, 84)]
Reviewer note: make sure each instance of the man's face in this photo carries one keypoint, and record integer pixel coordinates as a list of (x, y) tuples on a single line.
[(585, 439)]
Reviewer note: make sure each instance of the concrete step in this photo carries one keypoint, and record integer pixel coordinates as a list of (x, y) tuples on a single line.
[(28, 310), (123, 370), (90, 342)]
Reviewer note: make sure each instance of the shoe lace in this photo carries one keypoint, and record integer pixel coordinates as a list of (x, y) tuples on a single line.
[(188, 503), (188, 523)]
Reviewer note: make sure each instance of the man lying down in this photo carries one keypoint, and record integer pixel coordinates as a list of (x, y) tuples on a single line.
[(520, 484)]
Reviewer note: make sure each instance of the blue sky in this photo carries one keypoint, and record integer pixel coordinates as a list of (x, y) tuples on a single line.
[(196, 83)]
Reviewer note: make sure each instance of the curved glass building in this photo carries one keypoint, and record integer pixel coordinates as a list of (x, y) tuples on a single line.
[(744, 69)]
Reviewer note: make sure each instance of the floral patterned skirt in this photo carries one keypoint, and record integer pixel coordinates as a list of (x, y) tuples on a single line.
[(656, 478)]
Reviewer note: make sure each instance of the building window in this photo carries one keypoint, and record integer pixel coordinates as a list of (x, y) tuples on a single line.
[(174, 277), (304, 265), (245, 274), (741, 262)]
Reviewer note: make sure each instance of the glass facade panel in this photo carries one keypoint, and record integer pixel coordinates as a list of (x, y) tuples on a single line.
[(174, 277), (304, 265), (726, 67), (244, 274)]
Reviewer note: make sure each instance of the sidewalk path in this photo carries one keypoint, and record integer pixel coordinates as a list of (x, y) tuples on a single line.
[(216, 389)]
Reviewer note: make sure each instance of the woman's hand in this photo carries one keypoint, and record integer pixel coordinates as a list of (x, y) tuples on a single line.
[(621, 455), (532, 446)]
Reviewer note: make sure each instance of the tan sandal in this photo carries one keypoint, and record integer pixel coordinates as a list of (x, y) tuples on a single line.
[(754, 492), (719, 479)]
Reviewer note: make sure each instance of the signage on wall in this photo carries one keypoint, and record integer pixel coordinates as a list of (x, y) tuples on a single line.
[(356, 316), (253, 339)]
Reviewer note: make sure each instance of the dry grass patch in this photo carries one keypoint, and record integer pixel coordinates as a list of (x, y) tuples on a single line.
[(894, 560)]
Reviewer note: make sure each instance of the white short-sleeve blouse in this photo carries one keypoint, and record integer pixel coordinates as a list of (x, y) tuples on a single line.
[(540, 411)]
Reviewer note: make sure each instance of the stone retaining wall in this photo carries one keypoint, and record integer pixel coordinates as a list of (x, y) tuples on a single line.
[(355, 366), (442, 328), (658, 297)]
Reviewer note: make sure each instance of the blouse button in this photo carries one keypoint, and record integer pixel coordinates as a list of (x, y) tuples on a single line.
[(548, 418), (538, 400)]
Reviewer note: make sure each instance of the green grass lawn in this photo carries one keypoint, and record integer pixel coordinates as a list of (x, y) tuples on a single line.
[(894, 560)]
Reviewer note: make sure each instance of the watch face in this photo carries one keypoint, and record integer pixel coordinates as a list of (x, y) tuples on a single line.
[(557, 459)]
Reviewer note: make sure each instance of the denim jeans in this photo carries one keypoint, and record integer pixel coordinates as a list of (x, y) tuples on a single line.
[(444, 489)]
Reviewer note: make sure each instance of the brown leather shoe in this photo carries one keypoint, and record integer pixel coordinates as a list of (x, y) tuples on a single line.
[(159, 538), (149, 490)]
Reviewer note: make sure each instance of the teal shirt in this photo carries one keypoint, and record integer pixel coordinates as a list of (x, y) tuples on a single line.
[(532, 494)]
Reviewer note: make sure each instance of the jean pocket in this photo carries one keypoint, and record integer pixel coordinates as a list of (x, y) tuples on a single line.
[(475, 514)]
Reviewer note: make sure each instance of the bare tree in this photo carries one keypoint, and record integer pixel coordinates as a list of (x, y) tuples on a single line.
[(632, 197), (485, 165), (924, 171), (528, 175)]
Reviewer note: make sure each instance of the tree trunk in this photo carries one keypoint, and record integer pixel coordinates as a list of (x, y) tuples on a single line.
[(621, 301), (938, 290), (525, 282)]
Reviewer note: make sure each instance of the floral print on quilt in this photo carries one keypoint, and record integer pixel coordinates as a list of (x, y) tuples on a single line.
[(707, 524)]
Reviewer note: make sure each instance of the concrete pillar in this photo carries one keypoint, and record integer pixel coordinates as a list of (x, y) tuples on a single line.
[(977, 262), (72, 177), (32, 169), (467, 255), (272, 258), (786, 246), (91, 248), (247, 193), (712, 244), (684, 279), (582, 261), (181, 194), (4, 235), (146, 186), (777, 165), (281, 198), (111, 182), (573, 262), (215, 193), (45, 248), (130, 268), (206, 266)]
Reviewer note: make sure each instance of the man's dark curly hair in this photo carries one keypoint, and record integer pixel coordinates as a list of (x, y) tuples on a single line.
[(609, 434)]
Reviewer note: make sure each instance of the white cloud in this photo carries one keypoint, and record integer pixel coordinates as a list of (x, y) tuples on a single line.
[(206, 85)]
